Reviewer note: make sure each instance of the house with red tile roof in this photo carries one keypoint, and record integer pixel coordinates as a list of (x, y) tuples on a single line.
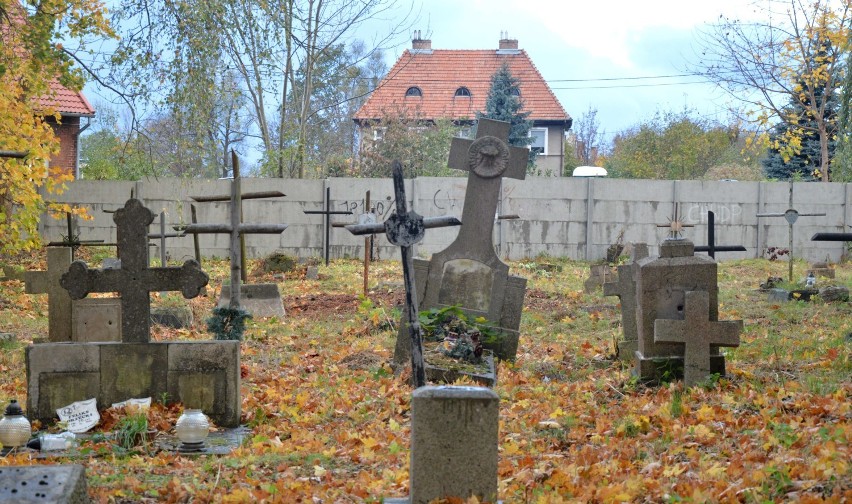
[(71, 106), (453, 84)]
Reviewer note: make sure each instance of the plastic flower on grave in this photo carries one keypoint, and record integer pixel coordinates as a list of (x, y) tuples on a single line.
[(15, 429)]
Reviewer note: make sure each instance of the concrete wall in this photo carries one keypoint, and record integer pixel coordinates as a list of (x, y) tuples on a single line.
[(574, 217)]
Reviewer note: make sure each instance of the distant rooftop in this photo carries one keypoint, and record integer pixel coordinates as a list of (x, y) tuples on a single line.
[(454, 83), (66, 101)]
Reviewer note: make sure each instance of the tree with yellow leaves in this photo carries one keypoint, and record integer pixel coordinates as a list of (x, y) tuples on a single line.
[(795, 55), (31, 57)]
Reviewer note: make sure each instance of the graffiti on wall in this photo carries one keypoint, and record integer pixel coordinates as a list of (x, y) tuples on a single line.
[(726, 213)]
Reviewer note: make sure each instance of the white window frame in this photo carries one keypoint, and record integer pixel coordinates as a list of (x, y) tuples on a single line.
[(537, 129), (379, 133)]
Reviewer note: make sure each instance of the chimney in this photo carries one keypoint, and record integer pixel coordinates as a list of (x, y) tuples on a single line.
[(419, 44), (507, 45)]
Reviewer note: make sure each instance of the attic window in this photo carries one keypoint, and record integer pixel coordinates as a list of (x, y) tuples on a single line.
[(463, 91), (413, 91), (515, 91)]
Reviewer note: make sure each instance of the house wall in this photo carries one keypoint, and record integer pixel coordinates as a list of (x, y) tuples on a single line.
[(551, 164), (67, 133), (571, 217)]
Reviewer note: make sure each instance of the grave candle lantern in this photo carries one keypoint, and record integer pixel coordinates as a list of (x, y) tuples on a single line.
[(192, 429), (15, 429)]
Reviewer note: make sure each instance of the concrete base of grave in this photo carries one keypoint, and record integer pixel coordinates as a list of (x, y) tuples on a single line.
[(199, 374), (671, 368), (172, 316), (627, 349), (436, 374), (43, 483), (260, 300)]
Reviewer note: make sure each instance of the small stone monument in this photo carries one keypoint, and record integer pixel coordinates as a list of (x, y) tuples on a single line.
[(469, 273), (454, 438), (662, 284), (599, 275), (201, 374)]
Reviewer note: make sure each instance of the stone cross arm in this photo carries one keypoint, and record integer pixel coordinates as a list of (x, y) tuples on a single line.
[(698, 333), (80, 280)]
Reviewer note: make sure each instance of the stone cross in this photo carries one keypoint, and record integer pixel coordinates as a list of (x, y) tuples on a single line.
[(698, 333), (711, 248), (328, 212), (237, 230), (58, 300), (625, 289), (134, 280), (487, 159), (405, 228), (791, 215)]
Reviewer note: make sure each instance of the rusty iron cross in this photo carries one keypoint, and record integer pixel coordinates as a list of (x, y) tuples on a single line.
[(404, 228)]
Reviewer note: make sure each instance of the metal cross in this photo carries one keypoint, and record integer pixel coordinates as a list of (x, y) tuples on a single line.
[(675, 225), (74, 241), (368, 217), (711, 248), (328, 212), (236, 229), (791, 216), (405, 228)]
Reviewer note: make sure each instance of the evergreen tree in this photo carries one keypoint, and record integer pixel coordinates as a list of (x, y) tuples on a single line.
[(795, 143), (843, 155), (504, 104)]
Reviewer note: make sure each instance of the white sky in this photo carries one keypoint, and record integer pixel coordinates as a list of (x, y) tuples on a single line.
[(593, 39)]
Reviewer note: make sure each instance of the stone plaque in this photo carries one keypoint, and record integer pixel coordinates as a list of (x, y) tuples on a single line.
[(96, 319), (467, 282)]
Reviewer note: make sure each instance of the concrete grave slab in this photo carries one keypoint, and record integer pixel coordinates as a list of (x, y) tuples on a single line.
[(260, 300), (57, 484), (203, 373)]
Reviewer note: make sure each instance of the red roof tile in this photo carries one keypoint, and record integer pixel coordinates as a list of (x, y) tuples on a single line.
[(66, 101), (440, 72)]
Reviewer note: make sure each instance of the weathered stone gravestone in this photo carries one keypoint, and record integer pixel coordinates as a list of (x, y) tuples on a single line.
[(698, 334), (202, 374), (73, 320), (57, 484), (599, 275), (662, 284), (821, 269), (58, 300), (624, 287), (469, 273), (454, 438)]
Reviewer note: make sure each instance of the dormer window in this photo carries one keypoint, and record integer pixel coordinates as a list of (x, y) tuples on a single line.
[(413, 91), (515, 91), (463, 91)]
